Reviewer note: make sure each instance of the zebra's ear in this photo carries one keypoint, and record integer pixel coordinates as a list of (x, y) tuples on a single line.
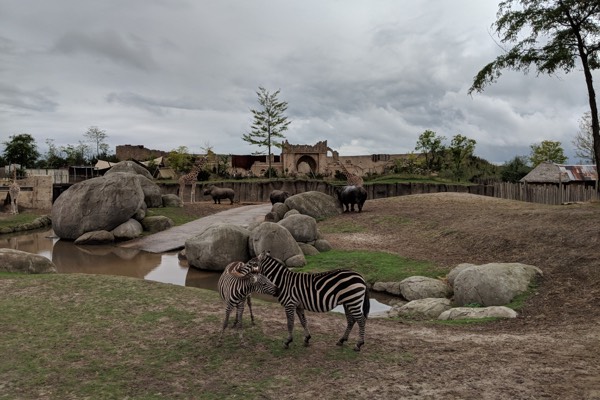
[(254, 278)]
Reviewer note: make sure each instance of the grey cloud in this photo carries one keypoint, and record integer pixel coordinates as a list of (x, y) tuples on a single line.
[(128, 50), (27, 100), (157, 106)]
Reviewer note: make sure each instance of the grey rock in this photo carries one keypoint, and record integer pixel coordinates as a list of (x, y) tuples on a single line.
[(95, 237), (478, 312), (302, 227), (315, 204), (171, 200), (128, 230), (217, 246), (95, 204), (276, 239), (493, 284), (157, 223), (21, 261), (421, 287)]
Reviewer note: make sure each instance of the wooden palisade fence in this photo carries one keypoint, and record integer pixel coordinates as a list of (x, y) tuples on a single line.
[(545, 194)]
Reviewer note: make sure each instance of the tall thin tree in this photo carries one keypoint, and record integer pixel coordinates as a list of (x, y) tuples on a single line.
[(269, 123), (550, 35)]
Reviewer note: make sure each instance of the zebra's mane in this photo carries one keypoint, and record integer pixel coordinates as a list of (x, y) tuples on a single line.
[(281, 264)]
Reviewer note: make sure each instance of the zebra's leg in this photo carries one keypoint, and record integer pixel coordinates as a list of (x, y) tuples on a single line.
[(289, 312), (250, 308), (362, 321), (225, 321), (349, 325), (302, 318), (238, 317)]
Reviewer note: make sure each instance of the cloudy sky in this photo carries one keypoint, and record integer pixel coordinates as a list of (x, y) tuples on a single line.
[(368, 76)]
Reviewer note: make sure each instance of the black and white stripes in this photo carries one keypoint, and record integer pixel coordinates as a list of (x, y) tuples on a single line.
[(319, 292), (235, 285)]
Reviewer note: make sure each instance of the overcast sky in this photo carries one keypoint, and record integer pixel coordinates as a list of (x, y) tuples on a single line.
[(368, 76)]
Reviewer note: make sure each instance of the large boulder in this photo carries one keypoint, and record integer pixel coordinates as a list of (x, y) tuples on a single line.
[(279, 241), (302, 227), (316, 204), (152, 194), (129, 167), (21, 261), (430, 308), (477, 313), (217, 246), (493, 284), (422, 287), (157, 223), (128, 230), (171, 200), (96, 204)]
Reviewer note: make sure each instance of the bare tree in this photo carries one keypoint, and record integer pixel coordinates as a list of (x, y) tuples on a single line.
[(584, 141)]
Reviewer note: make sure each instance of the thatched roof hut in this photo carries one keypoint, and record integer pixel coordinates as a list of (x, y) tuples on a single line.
[(548, 172)]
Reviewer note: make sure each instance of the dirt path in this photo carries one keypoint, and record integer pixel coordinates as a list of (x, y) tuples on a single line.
[(551, 351)]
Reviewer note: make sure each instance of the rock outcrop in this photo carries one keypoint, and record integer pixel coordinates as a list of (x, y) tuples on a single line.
[(21, 261)]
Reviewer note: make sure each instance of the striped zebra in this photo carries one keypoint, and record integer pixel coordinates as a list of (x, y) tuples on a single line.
[(236, 283), (319, 292)]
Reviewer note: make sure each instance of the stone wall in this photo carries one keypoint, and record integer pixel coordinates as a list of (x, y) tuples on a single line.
[(36, 192), (137, 152)]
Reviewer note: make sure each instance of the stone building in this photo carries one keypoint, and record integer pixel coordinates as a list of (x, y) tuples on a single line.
[(294, 160)]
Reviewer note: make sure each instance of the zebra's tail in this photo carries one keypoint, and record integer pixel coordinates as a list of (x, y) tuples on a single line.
[(366, 304)]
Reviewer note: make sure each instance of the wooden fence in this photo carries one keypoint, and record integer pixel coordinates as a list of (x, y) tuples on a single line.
[(546, 194)]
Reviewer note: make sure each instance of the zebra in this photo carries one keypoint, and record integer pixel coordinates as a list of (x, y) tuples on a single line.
[(319, 292), (236, 283)]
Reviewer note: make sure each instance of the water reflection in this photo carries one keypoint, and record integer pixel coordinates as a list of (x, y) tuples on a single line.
[(119, 261)]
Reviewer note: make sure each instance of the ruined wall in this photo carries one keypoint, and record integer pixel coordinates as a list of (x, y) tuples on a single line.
[(137, 152)]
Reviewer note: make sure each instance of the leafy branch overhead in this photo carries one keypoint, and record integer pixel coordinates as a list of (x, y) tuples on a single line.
[(548, 35)]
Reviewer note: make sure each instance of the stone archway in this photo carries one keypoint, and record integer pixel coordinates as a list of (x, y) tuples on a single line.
[(306, 165)]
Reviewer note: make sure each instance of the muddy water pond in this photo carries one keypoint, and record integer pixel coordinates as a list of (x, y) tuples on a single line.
[(119, 261)]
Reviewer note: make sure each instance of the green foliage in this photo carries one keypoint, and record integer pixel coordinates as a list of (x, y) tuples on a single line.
[(271, 172), (432, 148), (459, 150), (412, 165), (76, 155), (515, 169), (22, 150), (548, 150), (179, 159), (543, 34)]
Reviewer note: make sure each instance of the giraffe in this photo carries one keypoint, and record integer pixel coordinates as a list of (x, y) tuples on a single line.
[(13, 191), (191, 178), (353, 179)]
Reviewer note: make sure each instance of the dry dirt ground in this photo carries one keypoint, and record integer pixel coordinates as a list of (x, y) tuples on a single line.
[(552, 350)]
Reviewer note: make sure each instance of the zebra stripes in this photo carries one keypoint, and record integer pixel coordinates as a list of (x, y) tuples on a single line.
[(235, 285), (319, 292)]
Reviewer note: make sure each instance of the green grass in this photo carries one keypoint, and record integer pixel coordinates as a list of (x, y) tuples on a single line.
[(374, 266), (78, 336), (19, 219), (177, 214)]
